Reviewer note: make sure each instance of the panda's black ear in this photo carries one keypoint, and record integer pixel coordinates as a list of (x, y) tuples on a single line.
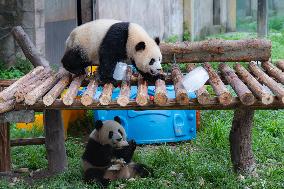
[(98, 124), (140, 46), (157, 40), (117, 119)]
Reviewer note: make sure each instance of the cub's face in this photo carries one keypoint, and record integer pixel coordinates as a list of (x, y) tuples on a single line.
[(147, 57), (109, 132)]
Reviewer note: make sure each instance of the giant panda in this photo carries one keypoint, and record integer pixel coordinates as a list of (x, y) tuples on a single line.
[(106, 42), (108, 155)]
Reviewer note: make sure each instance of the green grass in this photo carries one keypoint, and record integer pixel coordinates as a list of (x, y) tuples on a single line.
[(202, 163)]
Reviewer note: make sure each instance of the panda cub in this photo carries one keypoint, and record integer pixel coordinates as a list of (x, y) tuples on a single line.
[(108, 155), (107, 42)]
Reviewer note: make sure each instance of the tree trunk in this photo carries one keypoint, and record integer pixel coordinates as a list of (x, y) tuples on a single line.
[(54, 141), (240, 141)]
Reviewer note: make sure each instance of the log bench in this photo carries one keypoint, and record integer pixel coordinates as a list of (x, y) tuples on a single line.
[(252, 87)]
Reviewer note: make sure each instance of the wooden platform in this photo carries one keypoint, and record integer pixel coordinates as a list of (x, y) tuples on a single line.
[(244, 89)]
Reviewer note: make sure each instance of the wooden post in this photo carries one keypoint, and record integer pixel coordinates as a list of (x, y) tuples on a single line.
[(240, 141), (54, 141), (5, 157), (262, 18)]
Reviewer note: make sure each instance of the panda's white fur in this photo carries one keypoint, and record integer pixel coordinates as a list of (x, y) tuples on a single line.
[(112, 41), (90, 36), (108, 155)]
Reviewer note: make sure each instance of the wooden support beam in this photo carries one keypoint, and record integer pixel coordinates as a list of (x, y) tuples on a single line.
[(28, 47), (273, 71), (142, 92), (240, 141), (5, 156), (160, 97), (275, 87), (220, 89), (258, 90), (217, 50), (7, 106), (54, 141), (239, 87), (42, 89), (106, 95), (55, 92), (124, 95), (280, 65), (88, 96), (73, 89), (27, 141), (171, 105), (262, 19), (8, 93), (180, 91)]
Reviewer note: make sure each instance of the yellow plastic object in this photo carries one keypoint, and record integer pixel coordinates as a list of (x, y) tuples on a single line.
[(92, 69), (68, 116), (28, 126)]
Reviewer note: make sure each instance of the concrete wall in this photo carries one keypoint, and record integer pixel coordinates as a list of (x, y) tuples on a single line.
[(161, 18), (199, 15), (27, 13)]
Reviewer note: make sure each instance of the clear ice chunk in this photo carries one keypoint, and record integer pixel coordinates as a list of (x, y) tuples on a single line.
[(120, 71), (195, 79)]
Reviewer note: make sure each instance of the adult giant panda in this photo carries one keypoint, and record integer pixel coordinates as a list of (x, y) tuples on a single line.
[(106, 42), (108, 155)]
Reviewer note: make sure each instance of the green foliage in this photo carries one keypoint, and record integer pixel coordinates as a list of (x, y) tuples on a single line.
[(186, 36), (172, 39), (21, 68)]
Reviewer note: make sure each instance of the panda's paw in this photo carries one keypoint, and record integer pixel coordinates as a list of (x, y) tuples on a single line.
[(162, 77), (132, 144)]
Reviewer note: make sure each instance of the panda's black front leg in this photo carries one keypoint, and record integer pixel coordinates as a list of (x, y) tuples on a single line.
[(106, 69), (126, 152)]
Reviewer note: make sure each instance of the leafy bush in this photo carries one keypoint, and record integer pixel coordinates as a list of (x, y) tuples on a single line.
[(21, 68)]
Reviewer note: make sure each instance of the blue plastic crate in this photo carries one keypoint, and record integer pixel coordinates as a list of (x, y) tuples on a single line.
[(153, 126)]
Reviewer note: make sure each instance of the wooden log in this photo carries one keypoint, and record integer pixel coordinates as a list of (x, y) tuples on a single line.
[(240, 141), (203, 97), (160, 97), (275, 87), (39, 91), (239, 87), (5, 155), (7, 106), (124, 94), (105, 97), (52, 95), (223, 94), (9, 92), (180, 91), (280, 64), (217, 50), (142, 92), (171, 105), (88, 96), (28, 47), (72, 91), (264, 96), (54, 141), (27, 141), (273, 71), (31, 85)]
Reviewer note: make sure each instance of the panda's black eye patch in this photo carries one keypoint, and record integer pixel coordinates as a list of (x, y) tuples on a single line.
[(110, 134), (152, 61), (120, 132)]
